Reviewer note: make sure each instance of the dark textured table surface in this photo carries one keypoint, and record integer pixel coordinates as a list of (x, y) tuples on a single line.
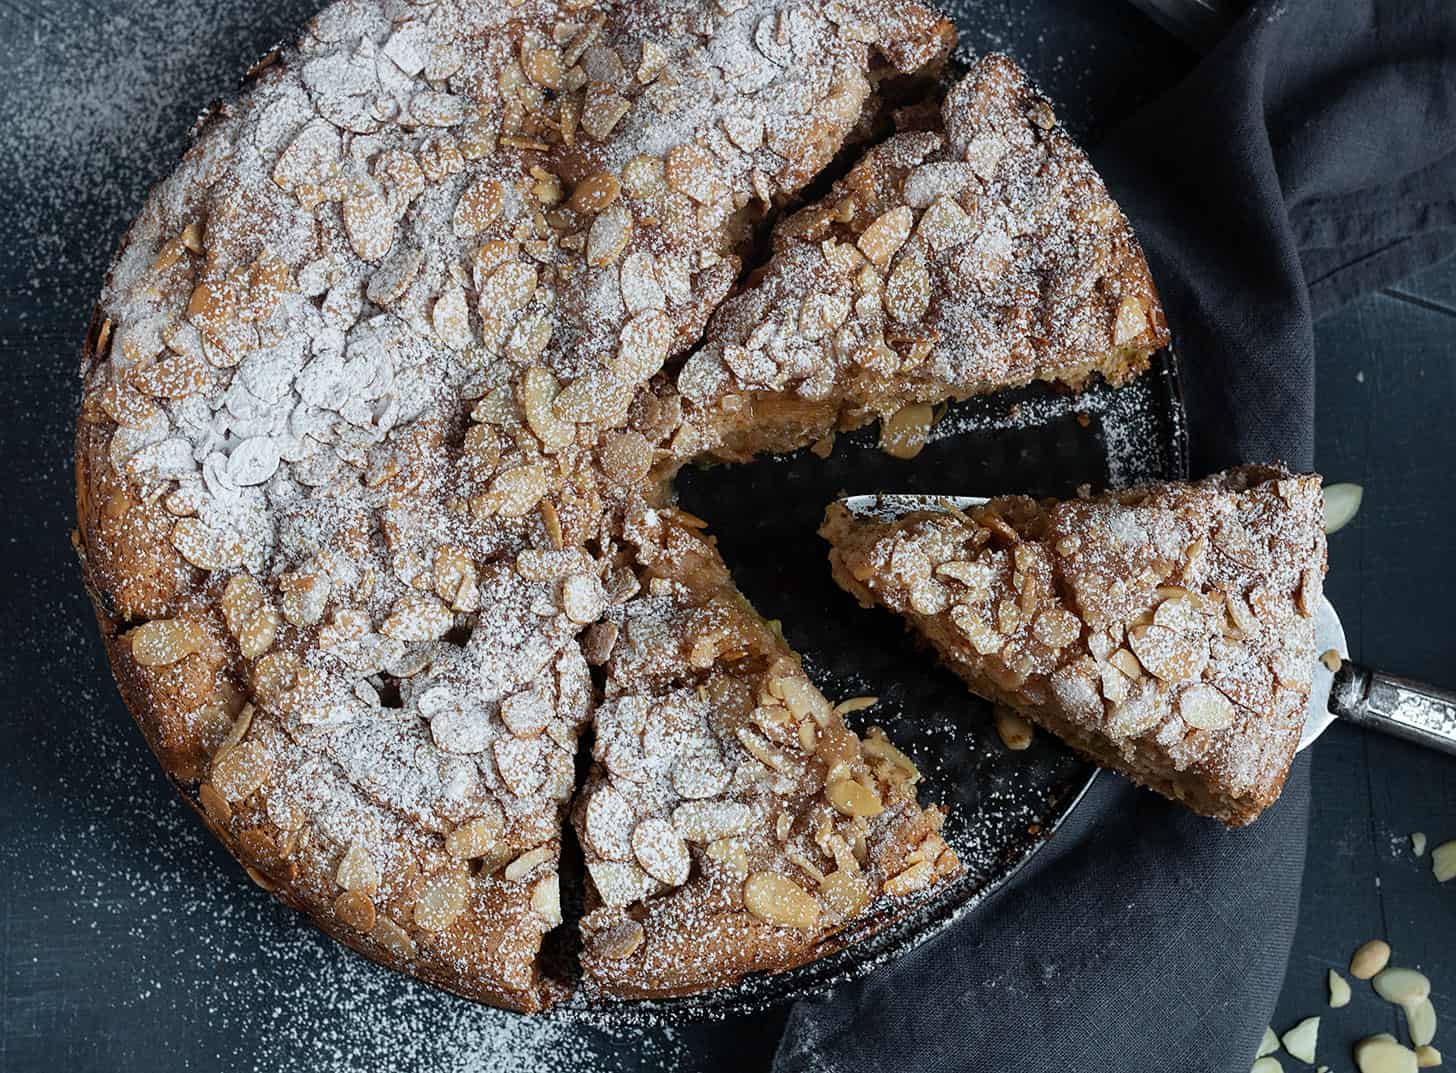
[(128, 941)]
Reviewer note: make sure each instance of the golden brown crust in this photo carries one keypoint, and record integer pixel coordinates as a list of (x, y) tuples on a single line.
[(1167, 632)]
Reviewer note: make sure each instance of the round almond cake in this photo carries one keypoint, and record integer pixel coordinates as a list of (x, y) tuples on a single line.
[(382, 402)]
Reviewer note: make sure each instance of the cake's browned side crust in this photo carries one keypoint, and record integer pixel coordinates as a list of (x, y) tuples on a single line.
[(1167, 631), (732, 822), (364, 416), (978, 254)]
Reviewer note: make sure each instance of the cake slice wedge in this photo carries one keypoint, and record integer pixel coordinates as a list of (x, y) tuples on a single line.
[(731, 822), (1165, 632), (979, 253)]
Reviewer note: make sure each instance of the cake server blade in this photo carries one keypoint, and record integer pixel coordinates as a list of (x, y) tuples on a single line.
[(1417, 712)]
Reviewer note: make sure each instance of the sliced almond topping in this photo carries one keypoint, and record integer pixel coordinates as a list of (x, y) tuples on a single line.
[(602, 112), (1443, 862), (693, 171), (661, 851), (240, 771), (479, 206), (214, 804), (1420, 1021), (523, 865), (441, 900), (915, 877), (780, 901), (609, 234), (594, 193), (1204, 707), (1131, 322), (907, 293), (357, 870), (475, 838), (853, 799), (392, 937), (417, 617), (1339, 990), (905, 433), (619, 941), (162, 642), (355, 910), (1167, 654), (516, 492), (546, 899), (881, 239)]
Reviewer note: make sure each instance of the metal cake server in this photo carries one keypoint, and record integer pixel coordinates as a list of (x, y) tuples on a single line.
[(1419, 713)]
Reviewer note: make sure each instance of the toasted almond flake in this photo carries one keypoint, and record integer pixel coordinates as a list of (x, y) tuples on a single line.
[(905, 433), (1418, 843), (643, 345), (475, 838), (1300, 1040), (582, 598), (1266, 1065), (1331, 659), (602, 112), (546, 899), (618, 942), (357, 870), (1166, 653), (479, 206), (1131, 322), (162, 642), (1443, 862), (780, 901), (393, 938), (1402, 987), (692, 170), (881, 239), (917, 876), (609, 234), (240, 771), (1342, 503), (441, 900), (1339, 990), (355, 910), (1015, 732), (542, 65), (1204, 707), (1427, 1056), (907, 292), (417, 617), (214, 804), (661, 851), (855, 704), (527, 862), (517, 491), (1369, 959), (853, 799), (594, 193)]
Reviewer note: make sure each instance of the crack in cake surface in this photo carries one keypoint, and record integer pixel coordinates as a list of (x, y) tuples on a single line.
[(365, 421)]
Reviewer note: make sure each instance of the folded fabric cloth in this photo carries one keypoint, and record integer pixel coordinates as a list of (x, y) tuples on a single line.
[(1310, 158)]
